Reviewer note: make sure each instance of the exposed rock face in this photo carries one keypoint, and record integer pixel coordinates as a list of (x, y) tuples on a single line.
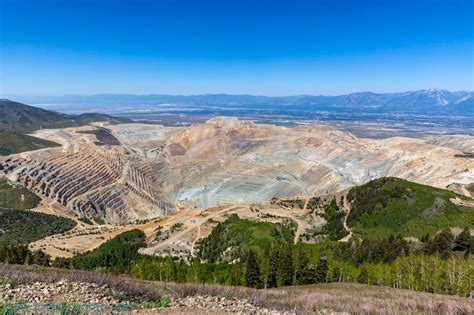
[(98, 184), (224, 161), (229, 161)]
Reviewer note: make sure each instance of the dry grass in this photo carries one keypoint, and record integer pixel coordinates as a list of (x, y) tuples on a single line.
[(366, 299), (338, 297)]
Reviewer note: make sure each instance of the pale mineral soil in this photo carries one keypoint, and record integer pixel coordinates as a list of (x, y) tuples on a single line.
[(196, 223), (198, 175), (230, 161)]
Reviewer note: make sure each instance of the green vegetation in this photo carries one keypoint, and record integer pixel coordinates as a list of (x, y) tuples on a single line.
[(262, 254), (16, 197), (115, 255), (334, 228), (103, 136), (233, 238), (88, 118), (23, 227), (14, 142), (23, 118), (16, 120), (18, 226), (390, 205), (391, 262), (20, 254)]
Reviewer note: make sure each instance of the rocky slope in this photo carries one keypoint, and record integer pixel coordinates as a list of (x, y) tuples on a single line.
[(224, 161)]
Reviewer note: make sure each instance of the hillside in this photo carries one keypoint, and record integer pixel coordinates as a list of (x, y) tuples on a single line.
[(23, 118), (19, 226), (176, 298), (17, 119), (233, 238), (16, 197), (390, 205), (24, 227), (114, 255), (14, 142)]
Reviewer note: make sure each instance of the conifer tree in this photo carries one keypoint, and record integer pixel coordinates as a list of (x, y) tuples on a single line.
[(286, 271), (252, 271), (442, 244), (306, 273), (322, 270), (272, 277), (463, 241)]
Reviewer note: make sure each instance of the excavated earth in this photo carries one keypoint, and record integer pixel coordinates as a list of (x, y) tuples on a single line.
[(225, 164)]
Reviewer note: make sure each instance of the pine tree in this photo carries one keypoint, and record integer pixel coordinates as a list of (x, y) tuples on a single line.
[(322, 270), (463, 241), (286, 271), (443, 243), (272, 277), (306, 273), (252, 271)]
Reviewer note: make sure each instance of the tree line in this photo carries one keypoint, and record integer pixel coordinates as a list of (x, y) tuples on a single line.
[(439, 264)]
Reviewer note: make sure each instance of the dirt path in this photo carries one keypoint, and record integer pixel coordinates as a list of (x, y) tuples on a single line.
[(189, 228), (198, 236), (299, 230), (347, 209), (459, 202)]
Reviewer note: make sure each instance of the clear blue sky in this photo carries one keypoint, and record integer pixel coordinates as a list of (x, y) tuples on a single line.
[(257, 47)]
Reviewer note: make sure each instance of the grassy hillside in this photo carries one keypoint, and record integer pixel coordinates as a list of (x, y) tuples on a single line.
[(87, 118), (114, 255), (103, 136), (308, 299), (18, 226), (17, 119), (16, 197), (23, 227), (390, 205), (14, 142), (23, 118), (234, 237)]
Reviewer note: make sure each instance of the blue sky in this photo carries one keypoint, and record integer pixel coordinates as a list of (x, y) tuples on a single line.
[(261, 47)]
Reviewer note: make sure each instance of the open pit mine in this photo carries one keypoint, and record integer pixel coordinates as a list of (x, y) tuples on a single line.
[(152, 171)]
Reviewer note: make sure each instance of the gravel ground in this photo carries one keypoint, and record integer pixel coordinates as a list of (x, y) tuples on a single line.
[(94, 296)]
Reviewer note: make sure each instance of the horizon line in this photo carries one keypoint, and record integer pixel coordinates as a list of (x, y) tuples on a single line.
[(8, 96)]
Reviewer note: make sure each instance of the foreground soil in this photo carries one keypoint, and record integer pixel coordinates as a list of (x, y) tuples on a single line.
[(39, 286)]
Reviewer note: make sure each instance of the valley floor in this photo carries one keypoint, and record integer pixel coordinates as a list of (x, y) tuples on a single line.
[(38, 285)]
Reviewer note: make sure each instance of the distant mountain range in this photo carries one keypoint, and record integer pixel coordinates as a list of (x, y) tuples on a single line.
[(431, 99)]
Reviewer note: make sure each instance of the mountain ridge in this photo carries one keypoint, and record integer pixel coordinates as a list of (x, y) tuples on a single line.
[(363, 99), (17, 120), (22, 118)]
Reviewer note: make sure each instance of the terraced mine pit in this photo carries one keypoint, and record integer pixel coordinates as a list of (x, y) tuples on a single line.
[(154, 171)]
